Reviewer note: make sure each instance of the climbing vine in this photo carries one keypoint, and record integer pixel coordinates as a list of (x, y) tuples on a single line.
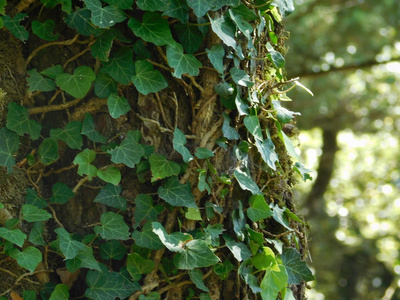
[(146, 152)]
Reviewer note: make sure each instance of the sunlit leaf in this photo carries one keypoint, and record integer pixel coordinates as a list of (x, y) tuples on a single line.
[(15, 235), (258, 209), (83, 159), (273, 282), (137, 265), (224, 28), (296, 268), (176, 193), (196, 255), (174, 241), (146, 238), (182, 63), (147, 80), (161, 167), (216, 56), (246, 182), (179, 142)]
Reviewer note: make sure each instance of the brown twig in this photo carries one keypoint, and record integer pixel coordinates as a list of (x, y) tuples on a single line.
[(48, 108)]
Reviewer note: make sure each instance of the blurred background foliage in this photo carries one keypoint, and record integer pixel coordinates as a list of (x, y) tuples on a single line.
[(348, 53)]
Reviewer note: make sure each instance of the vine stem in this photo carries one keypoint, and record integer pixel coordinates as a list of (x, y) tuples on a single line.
[(48, 108), (22, 277)]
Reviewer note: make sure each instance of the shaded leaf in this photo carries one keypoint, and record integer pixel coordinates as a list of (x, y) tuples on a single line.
[(241, 77), (190, 37), (259, 209), (14, 26), (182, 63), (224, 29), (177, 9), (122, 4), (102, 46), (15, 236), (147, 238), (284, 115), (120, 67), (33, 199), (147, 80), (38, 83), (246, 182), (216, 56), (80, 20), (60, 292), (84, 259), (48, 151), (104, 85), (203, 153), (161, 167), (137, 265), (9, 144), (110, 196), (29, 258), (267, 151), (36, 234), (252, 124), (111, 175), (71, 134), (31, 213), (239, 250), (197, 277), (296, 268), (19, 122), (117, 106), (144, 209), (69, 247), (112, 250), (152, 5), (112, 227), (176, 193), (61, 193), (229, 132), (45, 30), (78, 84), (83, 159), (129, 152), (89, 129)]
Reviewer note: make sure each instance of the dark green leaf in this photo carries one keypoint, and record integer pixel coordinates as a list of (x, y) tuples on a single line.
[(84, 259), (122, 4), (38, 83), (189, 36), (153, 29), (182, 63), (196, 255), (303, 171), (175, 241), (137, 265), (68, 246), (161, 167), (197, 277), (229, 132), (102, 46), (9, 144), (144, 209), (104, 85), (36, 234), (216, 56), (33, 199), (296, 268), (48, 151), (239, 222), (80, 21), (275, 57), (267, 151), (71, 134), (121, 67), (104, 17), (45, 30), (15, 236), (179, 142), (177, 9), (53, 71), (246, 182), (203, 153), (111, 175), (141, 50), (252, 124), (200, 7), (176, 193), (112, 227), (19, 122), (147, 80), (152, 5), (147, 238), (117, 106), (14, 27), (259, 209), (150, 296), (280, 216), (223, 269), (83, 159), (241, 77), (89, 129), (31, 213), (110, 196), (112, 250), (61, 292), (61, 193), (224, 28), (272, 283), (129, 152), (241, 24), (78, 84), (29, 258)]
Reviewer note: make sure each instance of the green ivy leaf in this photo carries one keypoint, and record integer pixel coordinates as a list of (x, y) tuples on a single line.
[(246, 182), (9, 144), (284, 115), (152, 5), (78, 84), (161, 167), (129, 152), (31, 213), (224, 29), (147, 238), (84, 259), (32, 198), (267, 151), (190, 37), (121, 67), (89, 129), (112, 227), (176, 193), (3, 4), (197, 277), (289, 145), (19, 122), (239, 250), (265, 260), (61, 193), (275, 57), (280, 216), (29, 258), (242, 25), (102, 46), (286, 7), (83, 159), (137, 265), (71, 134), (177, 9), (45, 30), (61, 292), (53, 71), (14, 27), (241, 77), (111, 175), (303, 171), (203, 153), (104, 85), (200, 7), (229, 132), (80, 21), (66, 5), (174, 241), (179, 142), (202, 184), (38, 83), (150, 296), (193, 214), (296, 268), (182, 63), (242, 107), (36, 234), (153, 29), (110, 196), (117, 106), (144, 209), (48, 151), (196, 255), (15, 236), (147, 80), (104, 17), (122, 4), (216, 56), (259, 209), (112, 250), (272, 283)]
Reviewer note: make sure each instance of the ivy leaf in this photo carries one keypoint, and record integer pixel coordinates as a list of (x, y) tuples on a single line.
[(9, 144), (45, 30), (19, 122), (197, 277), (53, 71), (275, 57), (200, 7), (280, 216), (110, 196), (14, 27), (153, 29), (273, 282), (137, 265), (105, 285), (179, 142), (112, 250), (71, 134), (289, 146), (80, 21), (89, 129), (152, 5), (111, 175), (303, 171), (203, 153), (202, 184), (267, 151), (177, 9), (147, 238), (121, 67), (176, 193), (259, 209), (104, 17), (112, 227), (182, 63), (38, 83), (102, 46), (117, 106), (246, 182), (84, 259), (32, 198), (161, 167), (286, 7), (61, 193), (296, 268), (284, 115), (31, 213), (239, 250), (78, 84), (190, 37), (246, 273), (174, 241), (216, 56), (69, 247), (122, 4), (60, 292), (129, 152), (224, 29), (229, 132), (147, 80), (144, 209), (265, 260), (29, 258), (15, 236), (196, 255), (104, 85), (241, 77), (193, 214), (48, 151), (83, 159), (36, 234)]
